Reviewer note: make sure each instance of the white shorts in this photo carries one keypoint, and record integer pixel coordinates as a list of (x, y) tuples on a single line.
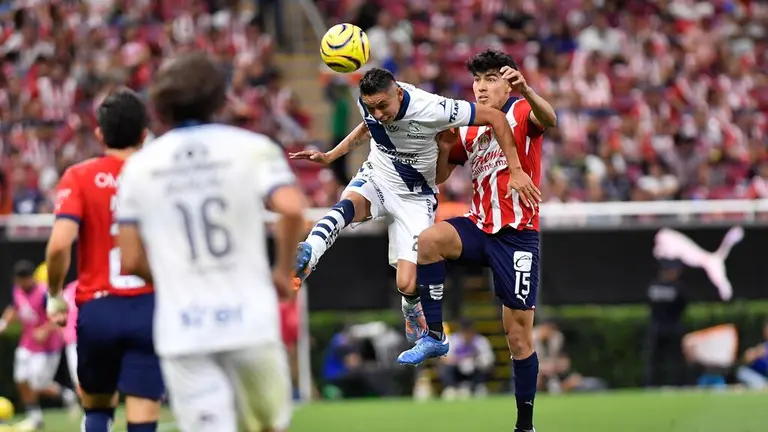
[(71, 353), (216, 392), (411, 214), (35, 368)]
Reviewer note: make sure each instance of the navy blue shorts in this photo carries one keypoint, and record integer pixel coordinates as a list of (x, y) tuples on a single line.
[(115, 349), (512, 255)]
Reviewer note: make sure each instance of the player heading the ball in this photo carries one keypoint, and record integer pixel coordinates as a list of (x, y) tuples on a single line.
[(398, 179)]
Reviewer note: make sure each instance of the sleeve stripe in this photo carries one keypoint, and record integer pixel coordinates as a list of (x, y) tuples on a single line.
[(127, 221), (69, 216), (471, 113)]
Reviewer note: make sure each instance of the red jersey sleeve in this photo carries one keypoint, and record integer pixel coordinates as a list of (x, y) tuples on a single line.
[(523, 119), (458, 154), (69, 201)]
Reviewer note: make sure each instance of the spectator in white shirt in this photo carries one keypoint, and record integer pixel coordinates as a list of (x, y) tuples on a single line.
[(466, 369)]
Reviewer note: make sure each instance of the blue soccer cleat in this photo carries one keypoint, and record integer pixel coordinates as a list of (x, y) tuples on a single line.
[(302, 269), (425, 348)]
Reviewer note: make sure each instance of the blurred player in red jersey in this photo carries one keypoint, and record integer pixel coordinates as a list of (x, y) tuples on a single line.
[(114, 325), (501, 230)]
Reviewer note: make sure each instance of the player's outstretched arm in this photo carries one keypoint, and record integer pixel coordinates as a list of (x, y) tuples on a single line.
[(133, 256), (355, 139), (58, 253), (289, 202), (518, 179)]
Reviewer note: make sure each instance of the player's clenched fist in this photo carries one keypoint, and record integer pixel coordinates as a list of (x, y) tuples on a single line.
[(312, 155), (56, 308), (515, 79), (521, 182)]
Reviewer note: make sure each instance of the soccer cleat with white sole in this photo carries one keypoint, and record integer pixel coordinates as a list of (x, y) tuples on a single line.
[(425, 348)]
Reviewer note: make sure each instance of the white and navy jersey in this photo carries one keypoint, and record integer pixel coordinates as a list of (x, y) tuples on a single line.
[(404, 152), (197, 195)]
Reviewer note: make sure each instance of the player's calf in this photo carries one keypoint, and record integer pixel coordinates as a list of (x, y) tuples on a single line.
[(141, 414), (518, 326), (352, 208), (415, 322), (435, 244)]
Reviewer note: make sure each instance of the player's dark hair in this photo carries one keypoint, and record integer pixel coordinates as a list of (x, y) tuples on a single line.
[(122, 119), (23, 269), (189, 89), (489, 60), (375, 81)]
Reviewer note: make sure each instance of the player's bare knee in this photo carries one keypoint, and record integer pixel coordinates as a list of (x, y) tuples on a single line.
[(428, 247), (520, 343), (141, 410)]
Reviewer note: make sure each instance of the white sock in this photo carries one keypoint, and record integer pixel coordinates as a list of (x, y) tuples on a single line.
[(406, 305), (326, 230)]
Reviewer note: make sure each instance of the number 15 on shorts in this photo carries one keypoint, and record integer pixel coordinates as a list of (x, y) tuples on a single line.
[(523, 263)]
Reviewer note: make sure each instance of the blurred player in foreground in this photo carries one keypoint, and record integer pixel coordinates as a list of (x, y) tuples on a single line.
[(499, 231), (398, 179), (114, 324), (192, 213), (39, 352)]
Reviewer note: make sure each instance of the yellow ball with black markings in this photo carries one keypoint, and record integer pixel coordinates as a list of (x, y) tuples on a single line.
[(345, 48)]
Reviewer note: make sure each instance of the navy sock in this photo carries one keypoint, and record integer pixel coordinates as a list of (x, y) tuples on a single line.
[(430, 279), (526, 376), (142, 427), (98, 419)]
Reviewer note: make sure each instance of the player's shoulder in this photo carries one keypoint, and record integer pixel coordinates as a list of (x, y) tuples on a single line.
[(517, 108)]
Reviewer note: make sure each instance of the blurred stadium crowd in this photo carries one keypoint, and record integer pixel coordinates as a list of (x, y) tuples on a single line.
[(661, 99)]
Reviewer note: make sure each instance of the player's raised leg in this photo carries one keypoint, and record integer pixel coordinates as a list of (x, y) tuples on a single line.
[(353, 207), (435, 245)]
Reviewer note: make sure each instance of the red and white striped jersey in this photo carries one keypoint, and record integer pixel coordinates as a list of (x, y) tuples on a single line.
[(490, 210)]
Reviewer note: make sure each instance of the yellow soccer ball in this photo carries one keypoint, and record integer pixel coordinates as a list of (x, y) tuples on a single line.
[(6, 410), (345, 48)]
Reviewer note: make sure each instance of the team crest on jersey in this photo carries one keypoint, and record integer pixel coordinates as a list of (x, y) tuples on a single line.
[(484, 141), (392, 127), (413, 127)]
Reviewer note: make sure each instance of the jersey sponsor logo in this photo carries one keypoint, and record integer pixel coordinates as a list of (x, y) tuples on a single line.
[(223, 316), (443, 104), (454, 112), (405, 158), (105, 180), (391, 127), (487, 162), (522, 261)]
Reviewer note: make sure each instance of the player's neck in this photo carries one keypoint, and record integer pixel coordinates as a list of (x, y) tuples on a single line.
[(120, 153)]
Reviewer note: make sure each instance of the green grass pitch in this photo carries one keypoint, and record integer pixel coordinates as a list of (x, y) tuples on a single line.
[(655, 411)]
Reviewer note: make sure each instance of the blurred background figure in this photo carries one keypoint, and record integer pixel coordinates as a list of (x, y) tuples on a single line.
[(466, 368), (754, 371), (664, 363), (555, 370)]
